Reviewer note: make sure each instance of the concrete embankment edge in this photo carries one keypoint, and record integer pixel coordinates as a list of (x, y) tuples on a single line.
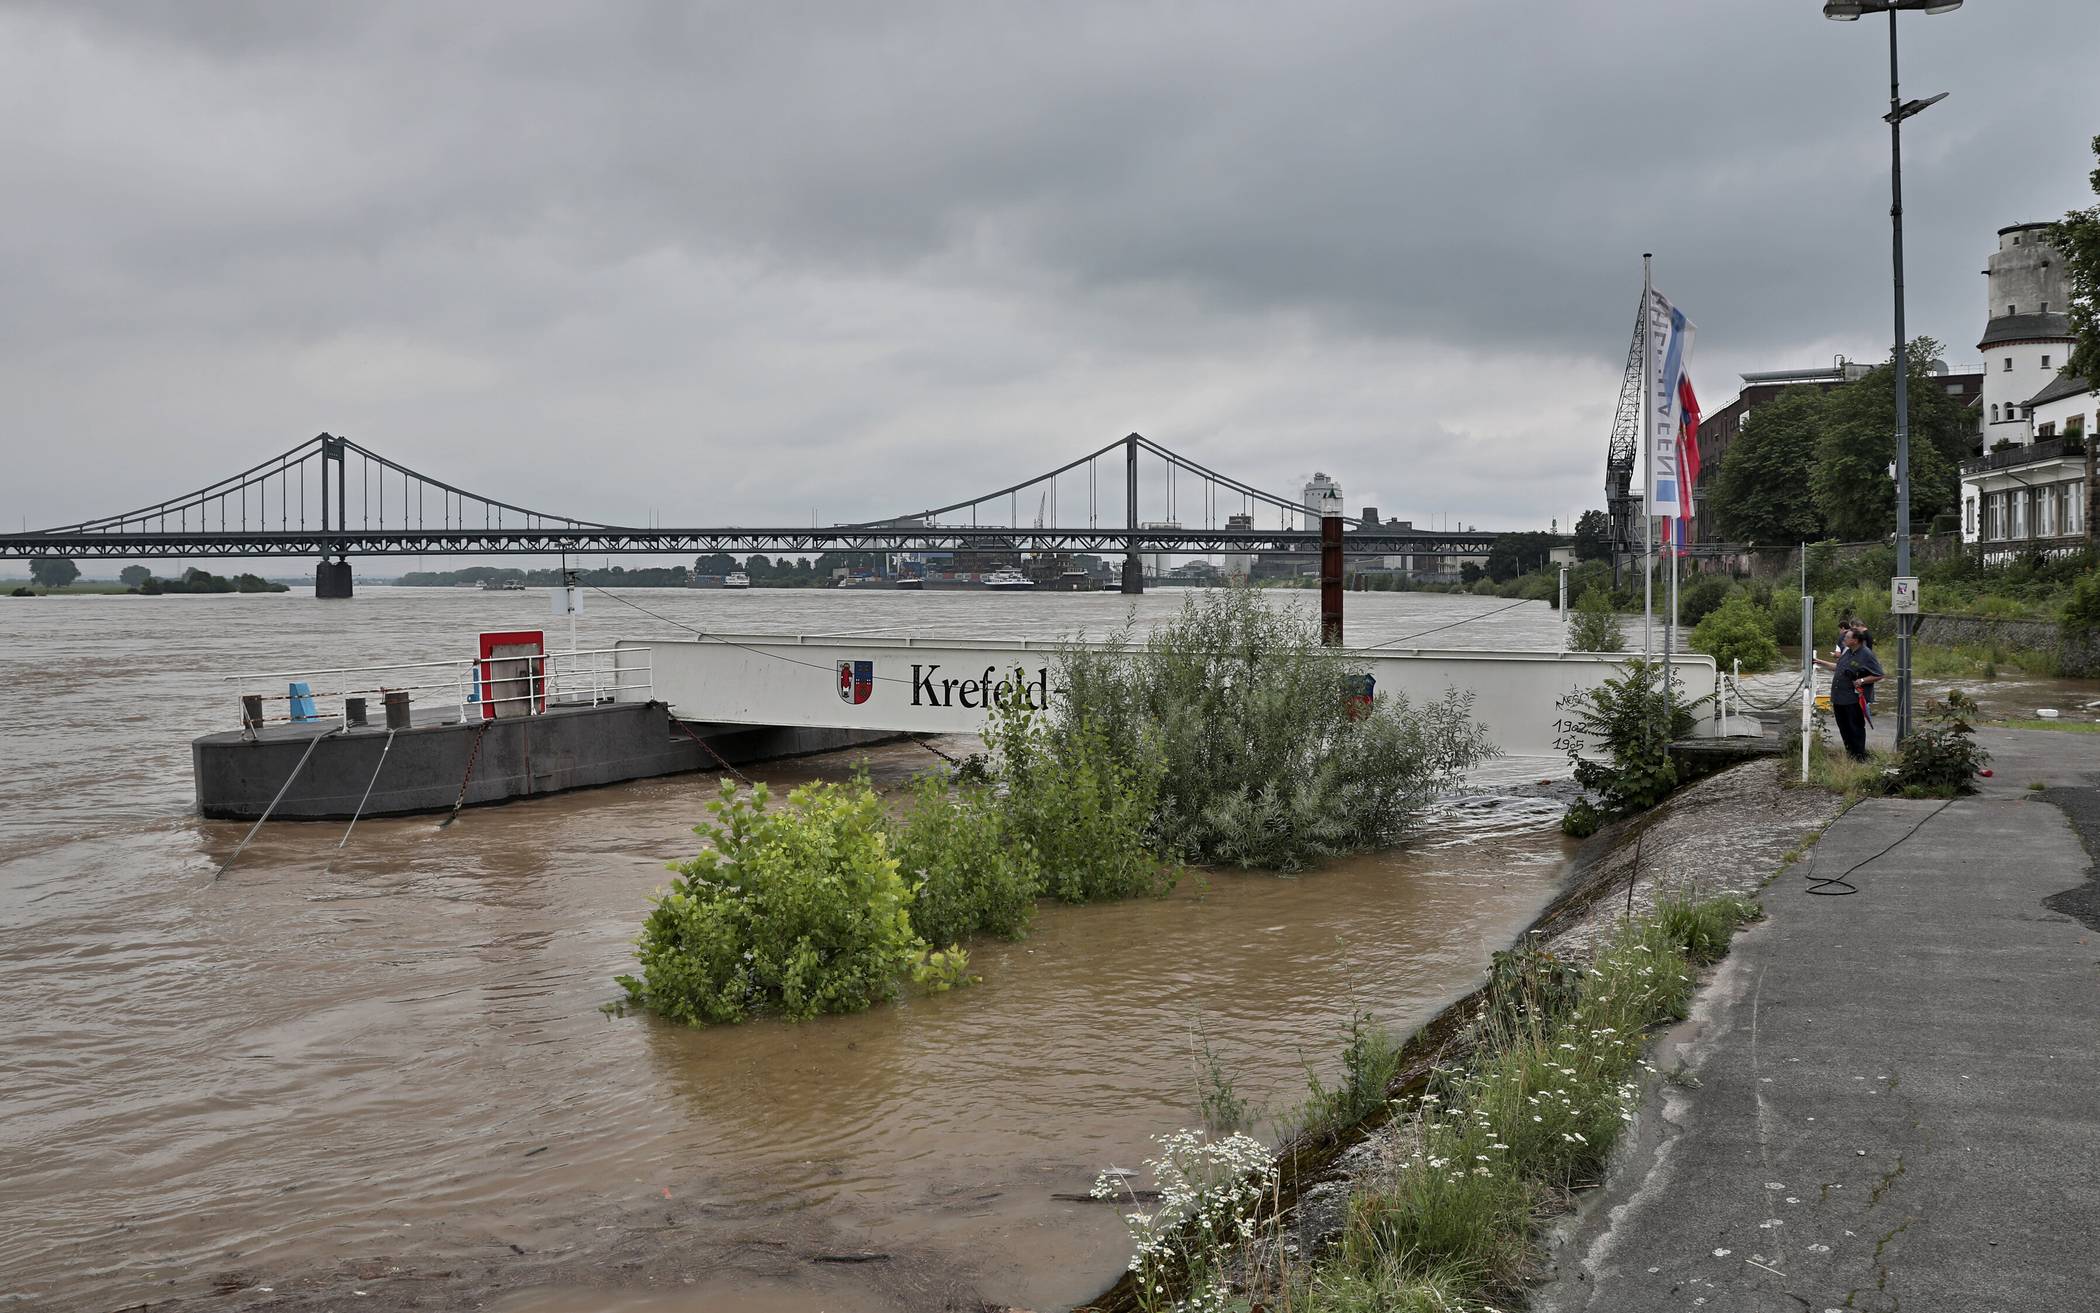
[(1888, 1099), (1725, 834)]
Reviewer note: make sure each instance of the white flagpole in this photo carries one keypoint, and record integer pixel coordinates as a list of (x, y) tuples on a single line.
[(1648, 457)]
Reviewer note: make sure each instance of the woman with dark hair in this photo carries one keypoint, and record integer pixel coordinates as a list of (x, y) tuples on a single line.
[(1852, 679)]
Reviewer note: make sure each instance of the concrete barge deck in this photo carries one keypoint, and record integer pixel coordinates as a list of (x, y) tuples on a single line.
[(563, 748)]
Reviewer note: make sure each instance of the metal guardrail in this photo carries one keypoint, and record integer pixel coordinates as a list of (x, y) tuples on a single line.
[(553, 679)]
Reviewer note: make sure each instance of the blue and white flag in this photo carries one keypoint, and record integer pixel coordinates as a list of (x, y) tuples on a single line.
[(1669, 353)]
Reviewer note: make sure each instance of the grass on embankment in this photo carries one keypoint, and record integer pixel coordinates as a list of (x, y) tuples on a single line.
[(1977, 661), (1446, 1221), (2068, 726), (1833, 770)]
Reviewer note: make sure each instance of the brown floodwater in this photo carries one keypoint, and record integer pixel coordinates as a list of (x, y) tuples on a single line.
[(381, 1075)]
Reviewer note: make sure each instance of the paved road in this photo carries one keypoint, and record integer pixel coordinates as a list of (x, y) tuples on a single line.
[(1893, 1097)]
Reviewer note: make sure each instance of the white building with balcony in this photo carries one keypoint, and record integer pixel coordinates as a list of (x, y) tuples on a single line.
[(2028, 491)]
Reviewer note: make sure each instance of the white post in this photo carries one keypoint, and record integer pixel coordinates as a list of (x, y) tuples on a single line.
[(1564, 610), (1647, 459), (1808, 711)]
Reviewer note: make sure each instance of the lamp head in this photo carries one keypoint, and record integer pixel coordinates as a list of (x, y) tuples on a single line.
[(1843, 11)]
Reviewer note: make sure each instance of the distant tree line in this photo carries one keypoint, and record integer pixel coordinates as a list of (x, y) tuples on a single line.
[(199, 581)]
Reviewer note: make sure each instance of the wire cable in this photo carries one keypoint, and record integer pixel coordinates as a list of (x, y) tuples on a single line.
[(1453, 625), (730, 642), (1824, 885)]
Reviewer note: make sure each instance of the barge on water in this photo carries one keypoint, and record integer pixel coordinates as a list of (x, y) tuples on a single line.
[(516, 721)]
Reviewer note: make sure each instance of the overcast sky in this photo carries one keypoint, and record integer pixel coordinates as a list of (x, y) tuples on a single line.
[(754, 263)]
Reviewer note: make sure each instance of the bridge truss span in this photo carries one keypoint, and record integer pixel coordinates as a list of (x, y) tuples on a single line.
[(330, 497)]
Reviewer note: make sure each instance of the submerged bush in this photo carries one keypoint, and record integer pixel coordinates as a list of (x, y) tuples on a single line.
[(1081, 807), (967, 875), (1596, 624), (1263, 749), (798, 908)]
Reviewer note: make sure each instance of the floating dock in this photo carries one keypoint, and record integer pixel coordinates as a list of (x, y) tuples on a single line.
[(517, 722)]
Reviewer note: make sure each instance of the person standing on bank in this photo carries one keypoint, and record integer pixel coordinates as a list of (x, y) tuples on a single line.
[(1852, 679)]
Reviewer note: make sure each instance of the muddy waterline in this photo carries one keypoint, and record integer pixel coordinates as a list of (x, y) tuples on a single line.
[(385, 1069)]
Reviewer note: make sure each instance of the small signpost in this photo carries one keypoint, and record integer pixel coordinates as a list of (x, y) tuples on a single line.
[(1903, 595)]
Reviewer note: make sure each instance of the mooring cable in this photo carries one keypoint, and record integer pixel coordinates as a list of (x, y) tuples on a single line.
[(282, 789), (730, 642), (709, 748), (468, 778), (1453, 625), (385, 748), (1823, 885)]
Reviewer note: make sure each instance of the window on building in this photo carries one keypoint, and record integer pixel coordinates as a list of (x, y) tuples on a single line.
[(1968, 517), (2045, 304), (2047, 430), (1994, 414), (2045, 512), (2018, 502), (2074, 510), (2012, 309), (2045, 362), (2008, 364)]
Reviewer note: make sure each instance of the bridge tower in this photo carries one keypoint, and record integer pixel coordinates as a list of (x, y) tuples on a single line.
[(1133, 567), (332, 578)]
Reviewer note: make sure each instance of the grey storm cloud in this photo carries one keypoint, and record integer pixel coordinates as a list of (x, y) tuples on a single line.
[(762, 262)]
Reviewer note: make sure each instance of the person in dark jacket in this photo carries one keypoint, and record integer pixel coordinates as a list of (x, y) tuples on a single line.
[(1852, 679)]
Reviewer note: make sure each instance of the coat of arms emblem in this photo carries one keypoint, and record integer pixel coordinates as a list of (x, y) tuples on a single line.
[(856, 681)]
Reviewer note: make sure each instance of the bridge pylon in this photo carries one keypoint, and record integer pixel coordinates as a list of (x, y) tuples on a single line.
[(1133, 566)]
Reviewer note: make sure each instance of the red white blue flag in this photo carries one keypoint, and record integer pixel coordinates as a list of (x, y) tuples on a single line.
[(1687, 459), (1668, 356)]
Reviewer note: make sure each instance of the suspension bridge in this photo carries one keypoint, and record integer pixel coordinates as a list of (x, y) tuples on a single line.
[(331, 497)]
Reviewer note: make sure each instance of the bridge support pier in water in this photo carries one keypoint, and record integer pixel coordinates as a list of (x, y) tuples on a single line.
[(332, 579)]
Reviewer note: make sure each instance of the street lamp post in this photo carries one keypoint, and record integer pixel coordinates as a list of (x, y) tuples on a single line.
[(1847, 11)]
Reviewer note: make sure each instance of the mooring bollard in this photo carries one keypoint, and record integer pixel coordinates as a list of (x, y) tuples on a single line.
[(354, 712), (397, 713)]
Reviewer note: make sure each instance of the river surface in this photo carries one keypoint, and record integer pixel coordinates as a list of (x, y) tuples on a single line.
[(380, 1075)]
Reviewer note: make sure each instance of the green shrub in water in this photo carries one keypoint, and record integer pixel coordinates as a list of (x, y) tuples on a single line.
[(966, 874), (798, 908), (1081, 808), (1737, 630), (1262, 749), (1596, 624)]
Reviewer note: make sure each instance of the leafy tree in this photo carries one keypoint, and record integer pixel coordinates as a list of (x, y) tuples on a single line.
[(1593, 536), (131, 576), (1702, 597), (1763, 493), (1469, 572), (2077, 238), (1737, 630), (714, 563), (53, 571), (1519, 553), (1858, 443)]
